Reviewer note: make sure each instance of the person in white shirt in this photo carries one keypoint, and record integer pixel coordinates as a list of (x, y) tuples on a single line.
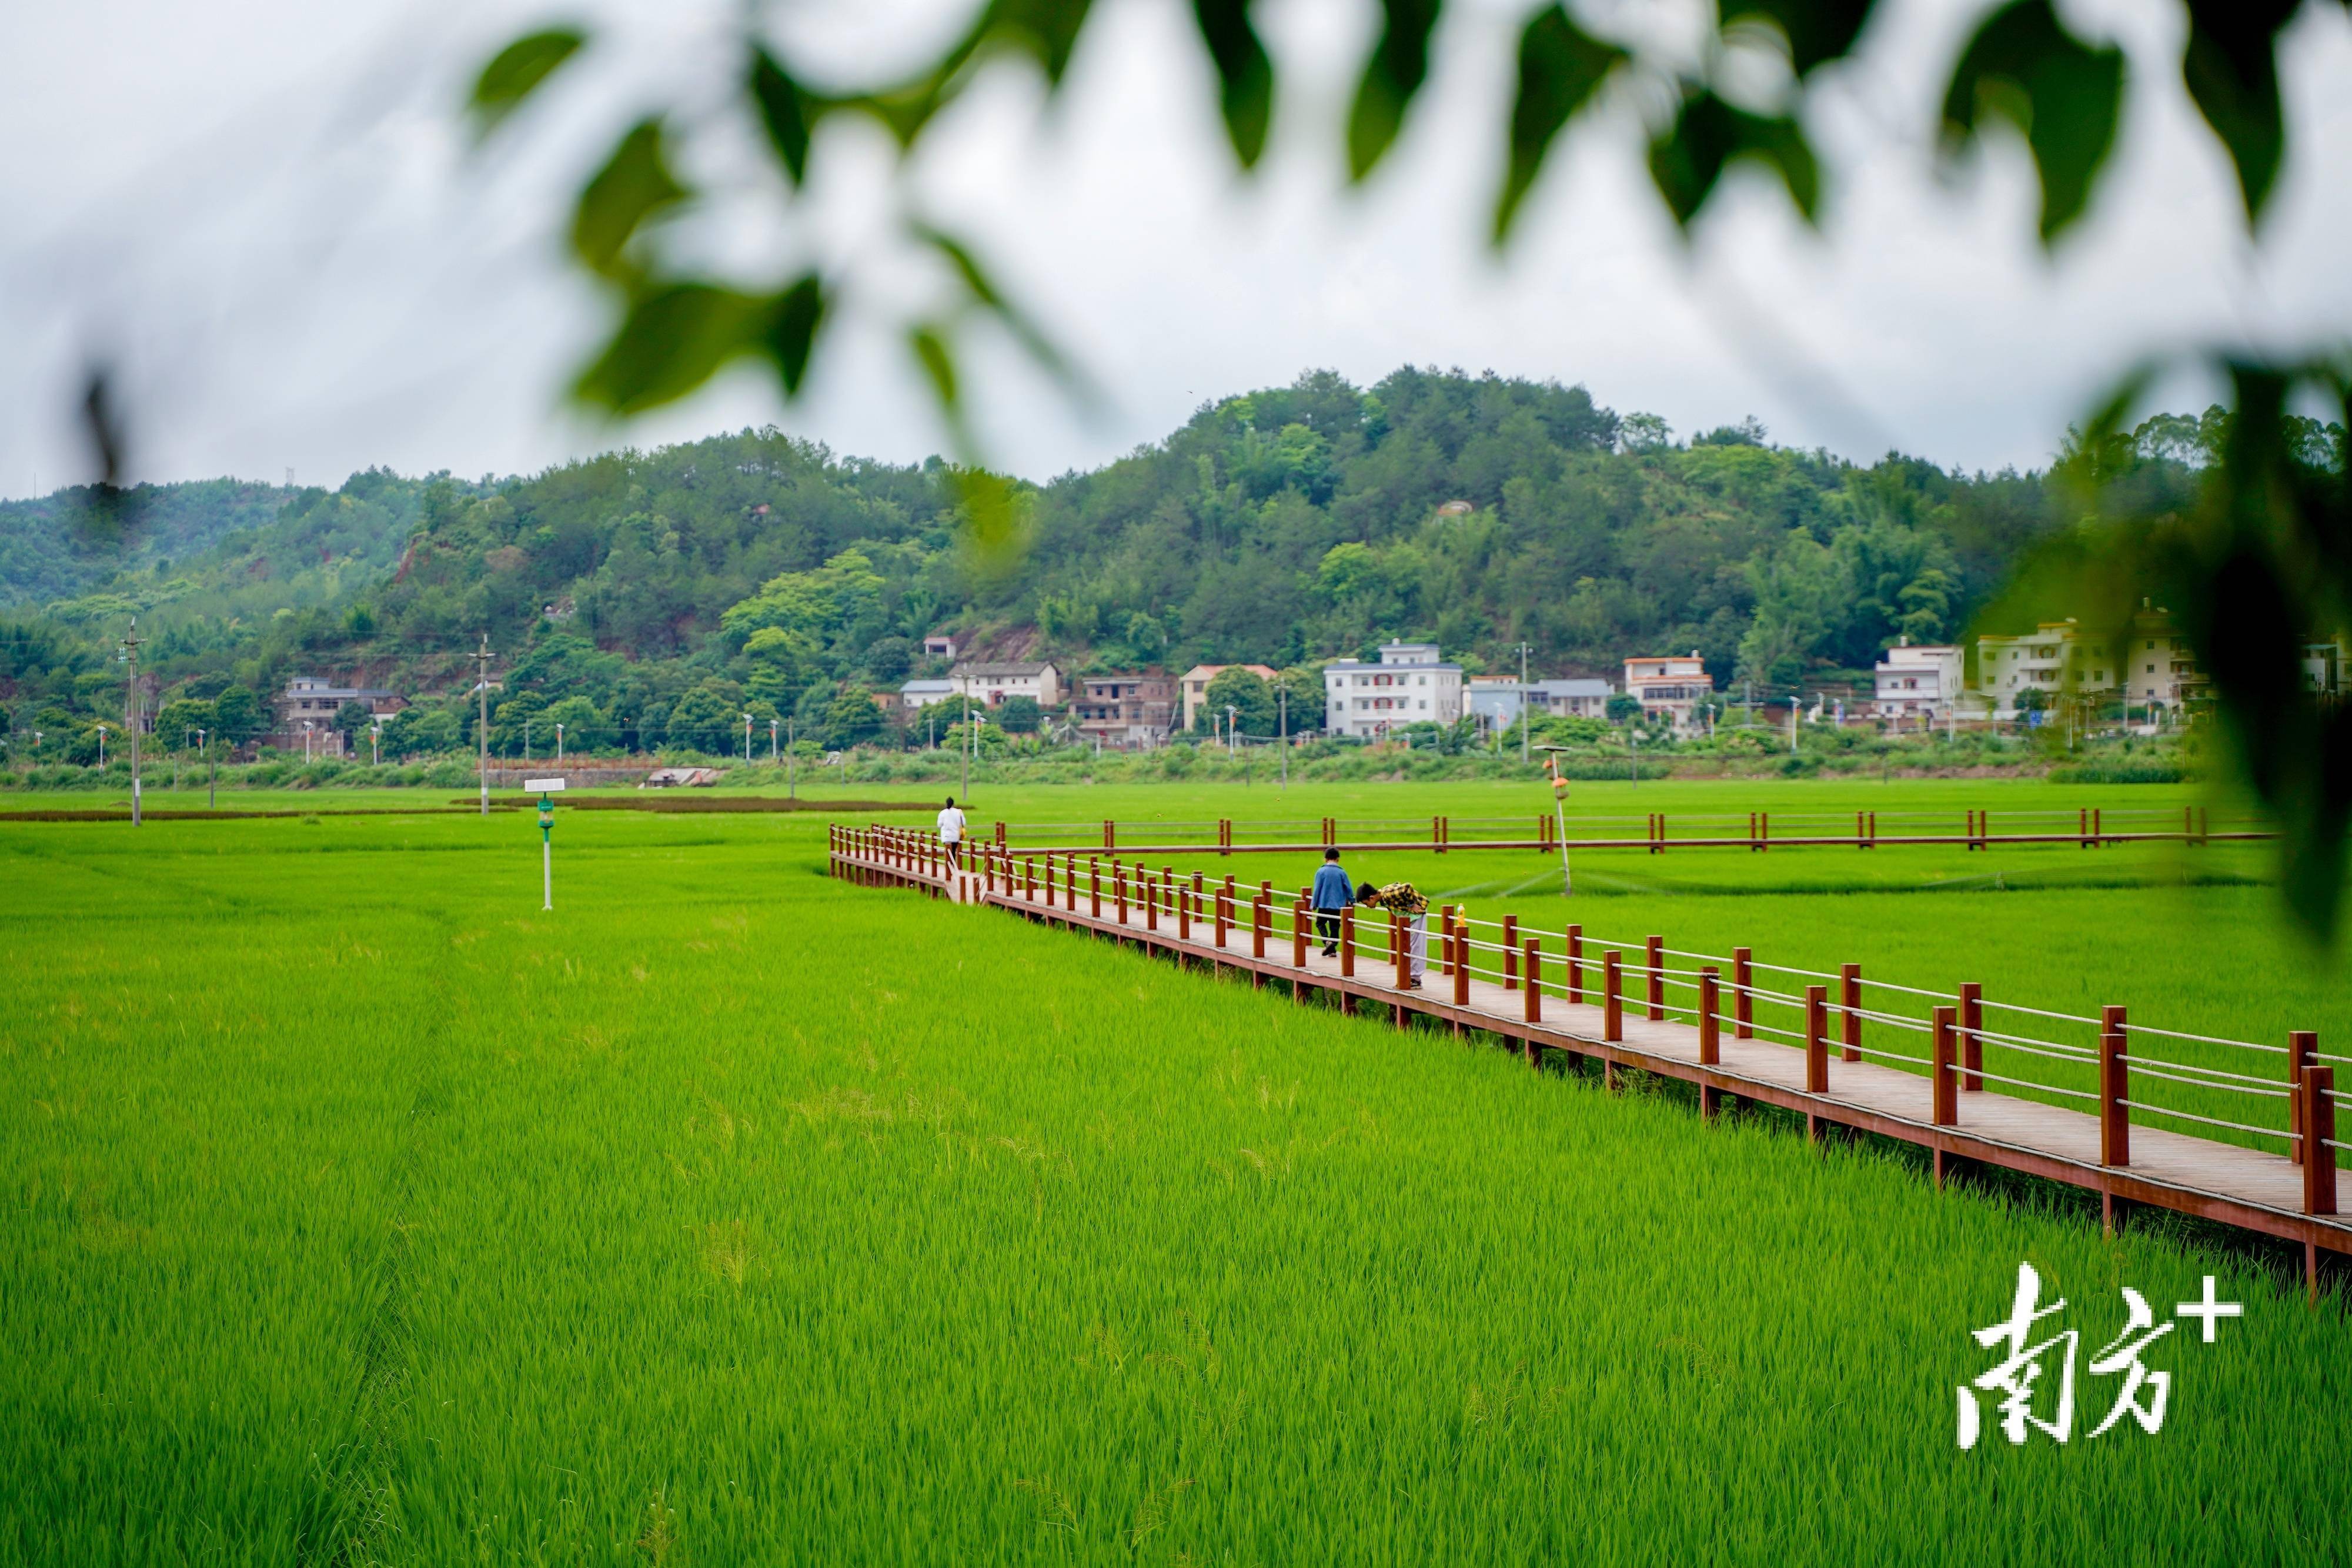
[(952, 834)]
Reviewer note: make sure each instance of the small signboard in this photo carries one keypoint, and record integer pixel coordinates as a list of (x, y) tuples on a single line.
[(544, 786)]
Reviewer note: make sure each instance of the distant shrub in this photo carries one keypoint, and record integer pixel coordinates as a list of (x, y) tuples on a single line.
[(2122, 773)]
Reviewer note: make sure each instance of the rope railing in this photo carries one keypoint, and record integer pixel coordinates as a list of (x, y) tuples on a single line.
[(1835, 1015)]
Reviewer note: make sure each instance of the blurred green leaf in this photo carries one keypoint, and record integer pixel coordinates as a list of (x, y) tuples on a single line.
[(1400, 63), (799, 312), (635, 184), (787, 112), (1560, 68), (673, 339), (516, 72), (936, 361), (1046, 30), (1818, 31), (1709, 135), (2231, 67), (1017, 322), (1244, 75), (2062, 94)]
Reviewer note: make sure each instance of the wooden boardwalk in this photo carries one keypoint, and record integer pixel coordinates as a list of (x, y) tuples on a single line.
[(2246, 1187)]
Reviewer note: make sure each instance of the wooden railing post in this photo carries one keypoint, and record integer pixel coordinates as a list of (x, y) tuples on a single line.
[(1298, 919), (2302, 1051), (1972, 1037), (2319, 1132), (1817, 1048), (1654, 956), (1224, 835), (1850, 998), (1261, 917), (1094, 887), (1948, 1097), (1217, 898), (1743, 999), (1576, 964), (1348, 943), (2115, 1088), (1398, 949), (1118, 877), (1462, 964), (1510, 952), (1029, 878), (1710, 1010), (1533, 953), (1613, 995), (1445, 939)]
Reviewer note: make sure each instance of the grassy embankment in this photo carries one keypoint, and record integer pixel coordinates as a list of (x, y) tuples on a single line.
[(730, 1214)]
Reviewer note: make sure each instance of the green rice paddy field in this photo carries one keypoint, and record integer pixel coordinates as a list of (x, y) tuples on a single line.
[(358, 1211)]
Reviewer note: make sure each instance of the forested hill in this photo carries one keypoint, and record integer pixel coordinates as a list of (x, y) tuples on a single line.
[(1284, 527)]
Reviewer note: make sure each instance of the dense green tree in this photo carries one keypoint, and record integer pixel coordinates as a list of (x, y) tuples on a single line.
[(239, 715), (853, 718), (1019, 716), (1246, 693)]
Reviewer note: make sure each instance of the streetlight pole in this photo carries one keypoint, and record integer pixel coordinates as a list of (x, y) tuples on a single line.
[(773, 725), (558, 746), (1523, 703), (1231, 746), (747, 740), (482, 726), (101, 748), (131, 711)]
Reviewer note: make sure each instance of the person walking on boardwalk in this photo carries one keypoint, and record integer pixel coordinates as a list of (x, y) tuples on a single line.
[(1334, 891), (952, 834)]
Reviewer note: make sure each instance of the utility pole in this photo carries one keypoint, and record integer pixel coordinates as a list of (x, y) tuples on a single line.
[(791, 785), (130, 656), (1523, 703), (1281, 707), (482, 726), (212, 769), (963, 755)]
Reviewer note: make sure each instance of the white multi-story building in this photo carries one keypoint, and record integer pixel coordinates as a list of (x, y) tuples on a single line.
[(1919, 681), (1670, 686), (1411, 684), (2157, 667), (2057, 658)]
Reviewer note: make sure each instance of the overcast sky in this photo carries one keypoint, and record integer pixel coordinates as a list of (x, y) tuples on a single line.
[(263, 214)]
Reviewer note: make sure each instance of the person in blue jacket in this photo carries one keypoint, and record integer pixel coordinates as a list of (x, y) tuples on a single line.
[(1334, 891)]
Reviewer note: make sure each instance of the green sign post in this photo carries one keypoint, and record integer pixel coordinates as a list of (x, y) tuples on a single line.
[(547, 788)]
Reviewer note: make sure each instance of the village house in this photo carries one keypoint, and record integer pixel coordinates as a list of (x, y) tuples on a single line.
[(1669, 687), (991, 683), (1411, 684), (1922, 681), (1131, 710)]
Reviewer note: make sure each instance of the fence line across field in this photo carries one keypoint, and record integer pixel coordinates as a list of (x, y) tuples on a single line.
[(2090, 829), (1501, 974)]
